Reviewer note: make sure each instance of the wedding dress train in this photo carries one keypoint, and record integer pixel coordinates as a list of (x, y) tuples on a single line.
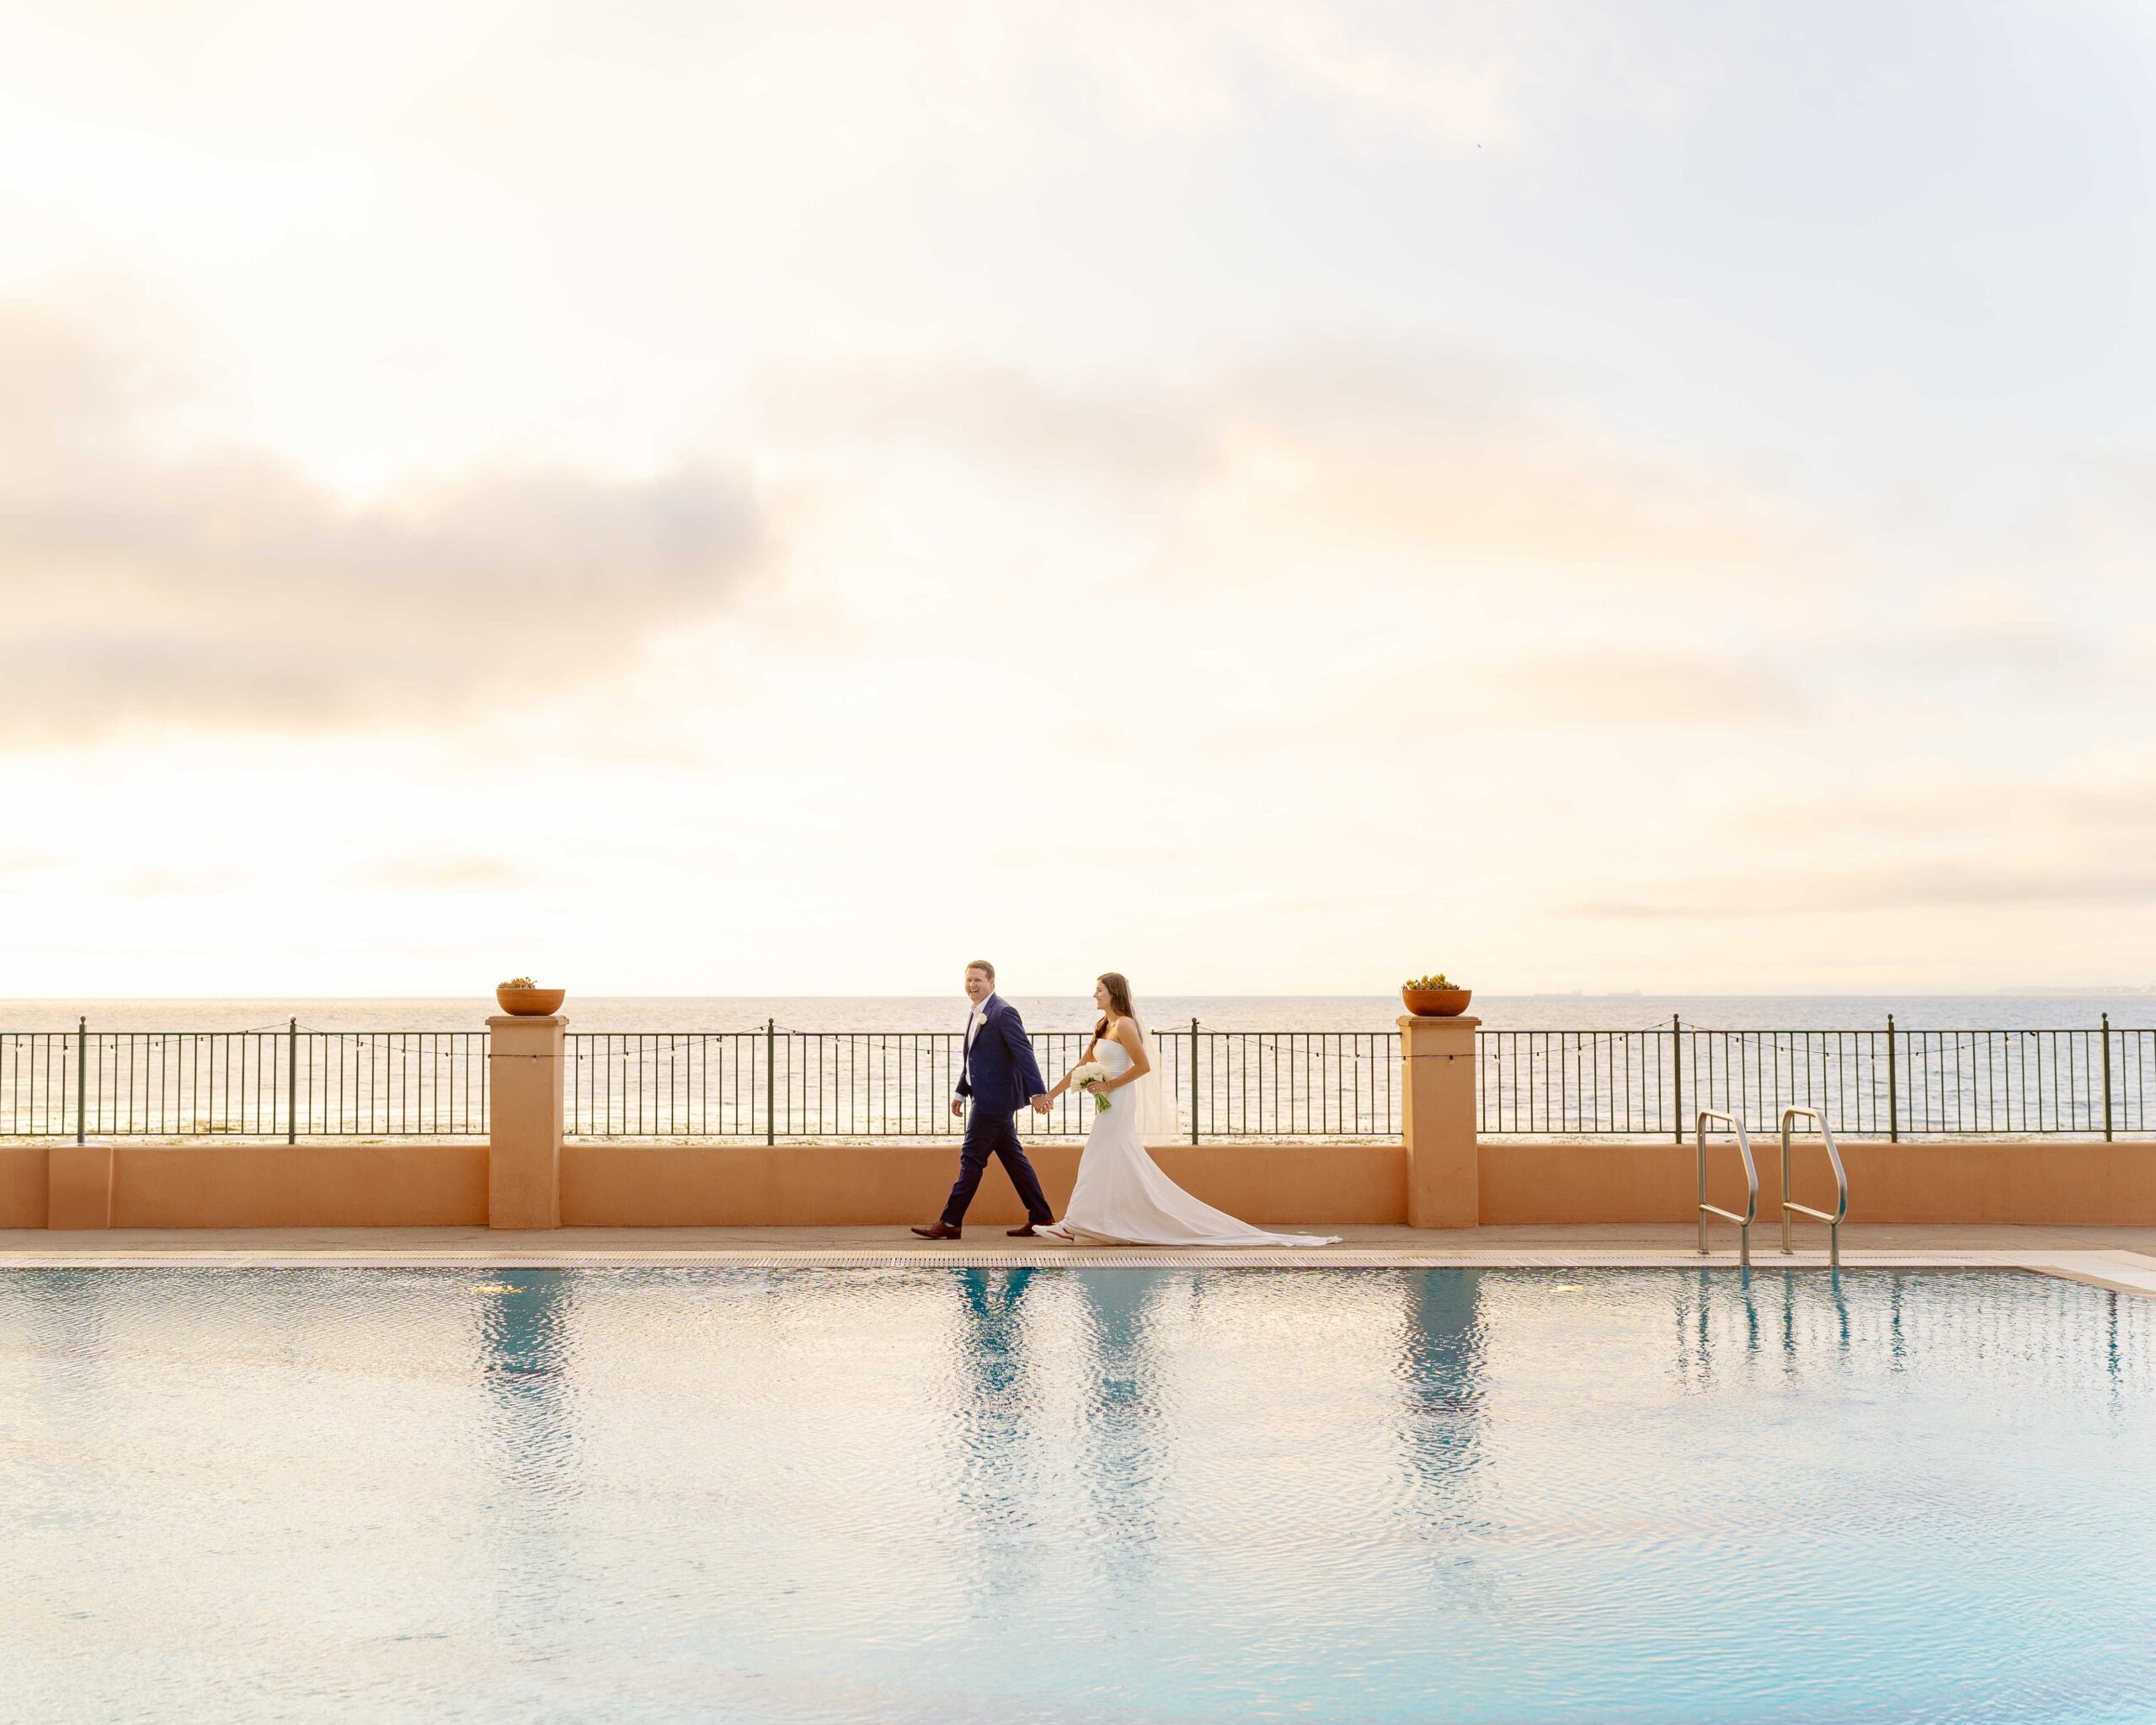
[(1122, 1198)]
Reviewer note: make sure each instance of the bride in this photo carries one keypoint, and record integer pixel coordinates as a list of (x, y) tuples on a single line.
[(1122, 1198)]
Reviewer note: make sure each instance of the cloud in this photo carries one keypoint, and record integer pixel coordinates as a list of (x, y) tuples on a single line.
[(1638, 687), (142, 587), (1121, 441), (1454, 77), (445, 873), (1915, 886), (1998, 637), (2094, 814), (1370, 447), (1465, 76), (177, 883), (1931, 839)]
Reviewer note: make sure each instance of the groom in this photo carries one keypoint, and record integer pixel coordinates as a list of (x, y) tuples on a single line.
[(997, 1069)]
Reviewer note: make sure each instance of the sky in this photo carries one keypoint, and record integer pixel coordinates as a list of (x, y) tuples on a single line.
[(1272, 498)]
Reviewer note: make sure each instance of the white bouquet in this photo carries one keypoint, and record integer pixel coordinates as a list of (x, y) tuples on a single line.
[(1087, 1076)]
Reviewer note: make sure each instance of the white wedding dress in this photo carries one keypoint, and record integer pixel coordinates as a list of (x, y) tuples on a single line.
[(1122, 1198)]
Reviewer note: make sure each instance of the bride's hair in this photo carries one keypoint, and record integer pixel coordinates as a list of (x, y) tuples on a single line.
[(1119, 988)]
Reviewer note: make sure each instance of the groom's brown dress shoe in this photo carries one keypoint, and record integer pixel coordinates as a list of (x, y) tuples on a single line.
[(937, 1231), (1027, 1232)]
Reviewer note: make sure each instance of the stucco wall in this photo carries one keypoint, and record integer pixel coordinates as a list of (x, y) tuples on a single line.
[(710, 1185), (405, 1185), (435, 1185), (23, 1179), (2058, 1181)]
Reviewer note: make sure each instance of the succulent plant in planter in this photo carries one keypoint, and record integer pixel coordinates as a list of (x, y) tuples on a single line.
[(1435, 996), (524, 998)]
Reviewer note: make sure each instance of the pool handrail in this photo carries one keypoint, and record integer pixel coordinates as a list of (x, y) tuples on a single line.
[(1841, 1186), (1751, 1184)]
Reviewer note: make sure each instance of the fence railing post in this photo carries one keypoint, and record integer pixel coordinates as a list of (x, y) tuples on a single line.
[(770, 1081), (1439, 1137), (81, 1074), (292, 1082), (1893, 1087), (2107, 1077), (527, 1088), (1193, 1081), (1677, 1077)]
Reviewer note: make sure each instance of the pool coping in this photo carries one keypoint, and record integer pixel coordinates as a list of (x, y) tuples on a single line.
[(2116, 1270)]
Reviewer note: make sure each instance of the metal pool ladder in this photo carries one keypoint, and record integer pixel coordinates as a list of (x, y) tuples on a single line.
[(1789, 1116), (1751, 1184)]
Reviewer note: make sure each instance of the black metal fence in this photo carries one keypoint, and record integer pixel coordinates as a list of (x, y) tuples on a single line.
[(774, 1084), (285, 1082), (1887, 1083)]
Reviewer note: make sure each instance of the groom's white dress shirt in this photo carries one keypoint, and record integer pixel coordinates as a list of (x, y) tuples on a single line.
[(974, 1022)]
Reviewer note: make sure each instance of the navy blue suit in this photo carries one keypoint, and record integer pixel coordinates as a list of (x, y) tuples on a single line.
[(1000, 1073)]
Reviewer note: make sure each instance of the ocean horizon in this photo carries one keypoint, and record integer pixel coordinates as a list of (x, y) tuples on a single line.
[(614, 1013)]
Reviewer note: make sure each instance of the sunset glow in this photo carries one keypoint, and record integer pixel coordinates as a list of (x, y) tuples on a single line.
[(1275, 498)]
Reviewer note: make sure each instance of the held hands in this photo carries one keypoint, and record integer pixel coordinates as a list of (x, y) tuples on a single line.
[(1040, 1105)]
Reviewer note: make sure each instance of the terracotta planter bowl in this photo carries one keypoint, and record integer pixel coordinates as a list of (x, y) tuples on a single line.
[(1437, 1002), (530, 1002)]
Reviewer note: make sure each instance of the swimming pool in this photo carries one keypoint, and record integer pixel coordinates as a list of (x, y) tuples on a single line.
[(1066, 1494)]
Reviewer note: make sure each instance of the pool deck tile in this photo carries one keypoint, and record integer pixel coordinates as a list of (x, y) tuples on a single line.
[(2121, 1258)]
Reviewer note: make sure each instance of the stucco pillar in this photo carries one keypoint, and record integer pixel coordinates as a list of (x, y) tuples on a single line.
[(78, 1185), (1437, 1117), (524, 1110)]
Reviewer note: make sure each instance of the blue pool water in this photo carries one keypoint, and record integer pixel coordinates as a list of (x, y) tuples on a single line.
[(1067, 1494)]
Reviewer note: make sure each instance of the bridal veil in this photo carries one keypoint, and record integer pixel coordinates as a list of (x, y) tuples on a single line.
[(1156, 1115)]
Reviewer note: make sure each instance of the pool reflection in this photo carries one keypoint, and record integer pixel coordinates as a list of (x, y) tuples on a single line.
[(997, 1467), (526, 1359), (1124, 1386), (1057, 1494), (1435, 1364), (525, 1326)]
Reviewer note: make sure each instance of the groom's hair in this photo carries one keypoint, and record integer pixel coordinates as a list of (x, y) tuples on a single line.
[(983, 965)]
